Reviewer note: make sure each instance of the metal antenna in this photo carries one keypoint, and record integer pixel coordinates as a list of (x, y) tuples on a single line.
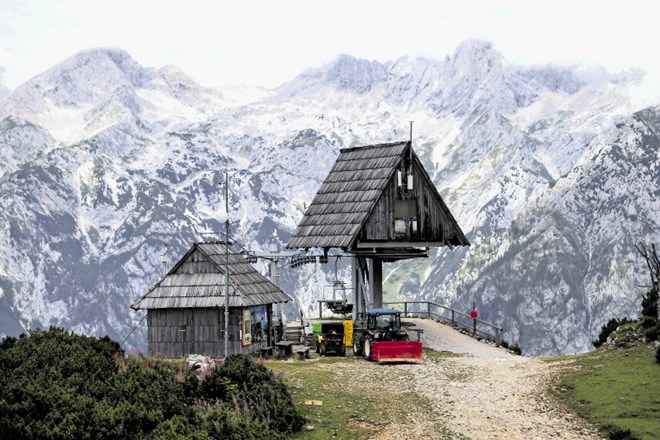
[(411, 152), (163, 259), (227, 265)]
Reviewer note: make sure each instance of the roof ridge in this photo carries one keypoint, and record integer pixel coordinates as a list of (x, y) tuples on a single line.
[(366, 147)]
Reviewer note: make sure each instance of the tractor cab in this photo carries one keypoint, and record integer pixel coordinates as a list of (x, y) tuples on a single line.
[(385, 325), (383, 319), (379, 337)]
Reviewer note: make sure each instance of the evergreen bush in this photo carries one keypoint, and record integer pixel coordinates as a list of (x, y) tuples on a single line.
[(653, 333), (647, 322), (266, 396), (607, 330), (58, 385), (650, 304), (615, 433)]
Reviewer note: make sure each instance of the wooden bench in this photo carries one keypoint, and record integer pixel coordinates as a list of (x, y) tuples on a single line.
[(285, 348), (266, 352), (303, 353)]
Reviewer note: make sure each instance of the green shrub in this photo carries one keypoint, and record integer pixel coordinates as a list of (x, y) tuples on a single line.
[(230, 421), (647, 322), (652, 333), (266, 397), (58, 385), (178, 428), (650, 304), (615, 433), (607, 330)]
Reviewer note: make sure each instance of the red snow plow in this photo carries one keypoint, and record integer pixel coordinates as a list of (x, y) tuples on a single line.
[(379, 337)]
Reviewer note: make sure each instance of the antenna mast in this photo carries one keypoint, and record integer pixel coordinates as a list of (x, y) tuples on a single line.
[(410, 160), (227, 265)]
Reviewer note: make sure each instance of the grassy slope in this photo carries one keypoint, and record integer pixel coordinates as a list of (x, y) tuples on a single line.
[(614, 388), (360, 399)]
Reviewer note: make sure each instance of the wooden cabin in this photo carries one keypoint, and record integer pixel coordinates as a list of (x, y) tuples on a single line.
[(186, 309), (374, 198), (379, 204)]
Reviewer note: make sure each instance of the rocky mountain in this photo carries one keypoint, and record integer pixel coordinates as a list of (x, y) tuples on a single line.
[(109, 164)]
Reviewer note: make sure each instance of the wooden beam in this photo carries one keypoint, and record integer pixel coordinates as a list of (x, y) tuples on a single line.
[(399, 244)]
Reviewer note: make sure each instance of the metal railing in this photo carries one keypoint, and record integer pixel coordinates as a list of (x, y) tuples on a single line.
[(439, 312)]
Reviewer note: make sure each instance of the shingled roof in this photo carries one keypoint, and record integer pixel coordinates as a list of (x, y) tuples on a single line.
[(198, 281), (347, 196), (351, 191)]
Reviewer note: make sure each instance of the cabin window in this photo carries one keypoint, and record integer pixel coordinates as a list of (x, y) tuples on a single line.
[(247, 327), (405, 218), (405, 227), (400, 226)]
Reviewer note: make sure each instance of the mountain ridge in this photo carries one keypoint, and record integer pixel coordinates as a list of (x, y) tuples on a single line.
[(137, 169)]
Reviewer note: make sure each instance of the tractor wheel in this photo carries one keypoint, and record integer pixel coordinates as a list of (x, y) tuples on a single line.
[(342, 351), (367, 349), (322, 349), (357, 349)]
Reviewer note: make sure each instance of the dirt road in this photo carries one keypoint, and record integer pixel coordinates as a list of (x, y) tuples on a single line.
[(484, 393)]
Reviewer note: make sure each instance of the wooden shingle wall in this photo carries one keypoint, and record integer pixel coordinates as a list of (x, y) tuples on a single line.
[(434, 221), (175, 333)]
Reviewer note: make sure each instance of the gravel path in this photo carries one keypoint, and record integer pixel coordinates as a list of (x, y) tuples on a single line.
[(484, 393)]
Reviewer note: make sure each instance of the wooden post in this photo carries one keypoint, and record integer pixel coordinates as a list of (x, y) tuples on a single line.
[(453, 321), (312, 404), (405, 309), (269, 324), (428, 309), (376, 282)]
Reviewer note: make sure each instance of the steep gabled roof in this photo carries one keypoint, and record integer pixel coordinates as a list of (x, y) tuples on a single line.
[(347, 196), (351, 191), (185, 286)]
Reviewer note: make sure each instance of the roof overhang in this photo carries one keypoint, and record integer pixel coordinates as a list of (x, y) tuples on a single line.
[(389, 255)]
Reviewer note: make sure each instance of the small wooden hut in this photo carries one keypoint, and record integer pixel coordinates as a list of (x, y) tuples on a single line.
[(379, 204), (185, 310)]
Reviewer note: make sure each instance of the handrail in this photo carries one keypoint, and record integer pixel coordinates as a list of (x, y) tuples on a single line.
[(469, 326)]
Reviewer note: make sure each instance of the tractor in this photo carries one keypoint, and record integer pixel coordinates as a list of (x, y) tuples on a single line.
[(379, 337), (330, 338), (332, 342)]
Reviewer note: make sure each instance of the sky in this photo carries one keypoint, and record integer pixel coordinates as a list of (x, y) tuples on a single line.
[(268, 42)]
